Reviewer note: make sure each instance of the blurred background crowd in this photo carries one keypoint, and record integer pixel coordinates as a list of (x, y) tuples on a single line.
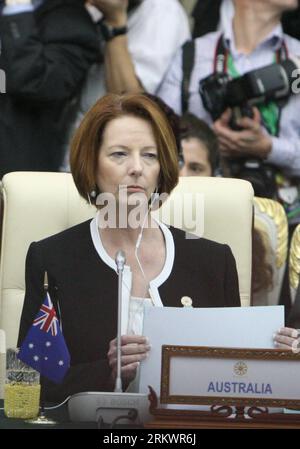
[(191, 56)]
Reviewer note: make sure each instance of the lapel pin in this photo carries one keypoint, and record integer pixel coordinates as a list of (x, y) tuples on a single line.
[(186, 301)]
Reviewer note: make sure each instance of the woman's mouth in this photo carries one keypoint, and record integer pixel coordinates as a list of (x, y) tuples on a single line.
[(135, 188)]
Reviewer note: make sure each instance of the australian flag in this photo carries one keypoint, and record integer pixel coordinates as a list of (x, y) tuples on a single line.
[(44, 347)]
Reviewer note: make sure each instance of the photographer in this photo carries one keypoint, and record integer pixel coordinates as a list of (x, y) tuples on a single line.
[(47, 47), (253, 40)]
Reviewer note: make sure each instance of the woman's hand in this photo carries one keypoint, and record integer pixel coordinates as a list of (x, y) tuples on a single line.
[(134, 349), (287, 338)]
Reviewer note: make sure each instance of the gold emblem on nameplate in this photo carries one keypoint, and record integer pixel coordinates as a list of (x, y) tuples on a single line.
[(186, 301), (240, 368)]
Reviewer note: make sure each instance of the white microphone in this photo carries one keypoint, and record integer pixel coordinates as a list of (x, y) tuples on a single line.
[(120, 260)]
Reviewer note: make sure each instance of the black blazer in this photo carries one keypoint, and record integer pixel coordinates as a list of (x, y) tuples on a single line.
[(86, 289), (45, 55)]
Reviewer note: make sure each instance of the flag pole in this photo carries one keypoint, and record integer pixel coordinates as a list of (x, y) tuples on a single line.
[(46, 285), (42, 419)]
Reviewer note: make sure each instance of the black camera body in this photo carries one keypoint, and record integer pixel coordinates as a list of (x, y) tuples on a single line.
[(216, 99), (261, 175), (271, 83)]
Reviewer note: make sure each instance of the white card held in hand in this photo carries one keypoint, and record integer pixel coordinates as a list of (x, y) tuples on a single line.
[(231, 327)]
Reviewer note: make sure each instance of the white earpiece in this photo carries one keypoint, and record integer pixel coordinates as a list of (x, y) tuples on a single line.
[(153, 199), (138, 242)]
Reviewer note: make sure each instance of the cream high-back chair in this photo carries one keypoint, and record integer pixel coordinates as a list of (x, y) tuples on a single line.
[(224, 208), (37, 205), (34, 206)]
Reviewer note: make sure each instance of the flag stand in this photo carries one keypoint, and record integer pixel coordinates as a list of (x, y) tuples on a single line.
[(42, 418)]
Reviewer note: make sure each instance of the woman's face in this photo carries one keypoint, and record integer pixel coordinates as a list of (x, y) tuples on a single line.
[(128, 157), (195, 155)]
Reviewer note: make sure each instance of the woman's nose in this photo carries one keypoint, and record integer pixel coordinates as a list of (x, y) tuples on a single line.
[(135, 166)]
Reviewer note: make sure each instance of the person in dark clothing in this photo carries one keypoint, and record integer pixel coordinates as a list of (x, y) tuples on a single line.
[(47, 48), (206, 15), (124, 141), (291, 23)]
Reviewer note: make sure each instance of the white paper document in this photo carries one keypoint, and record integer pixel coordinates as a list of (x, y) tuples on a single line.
[(231, 327)]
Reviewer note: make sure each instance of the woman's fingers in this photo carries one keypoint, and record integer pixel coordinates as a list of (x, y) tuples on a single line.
[(289, 332), (132, 367), (128, 359), (281, 346), (130, 339), (287, 338), (139, 352), (281, 339), (129, 350), (134, 349)]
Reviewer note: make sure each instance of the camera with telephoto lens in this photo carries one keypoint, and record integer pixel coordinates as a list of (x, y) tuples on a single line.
[(262, 176), (275, 82)]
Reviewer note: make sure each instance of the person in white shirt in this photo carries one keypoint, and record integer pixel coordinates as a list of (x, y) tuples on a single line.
[(252, 40), (141, 39)]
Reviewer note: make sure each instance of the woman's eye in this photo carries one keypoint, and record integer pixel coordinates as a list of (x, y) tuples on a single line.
[(118, 154), (197, 170), (151, 155)]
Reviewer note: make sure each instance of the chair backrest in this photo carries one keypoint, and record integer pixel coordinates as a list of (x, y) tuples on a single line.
[(271, 222), (36, 205), (294, 263), (222, 210)]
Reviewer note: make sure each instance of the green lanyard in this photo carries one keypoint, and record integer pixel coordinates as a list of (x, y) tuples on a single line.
[(269, 112)]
